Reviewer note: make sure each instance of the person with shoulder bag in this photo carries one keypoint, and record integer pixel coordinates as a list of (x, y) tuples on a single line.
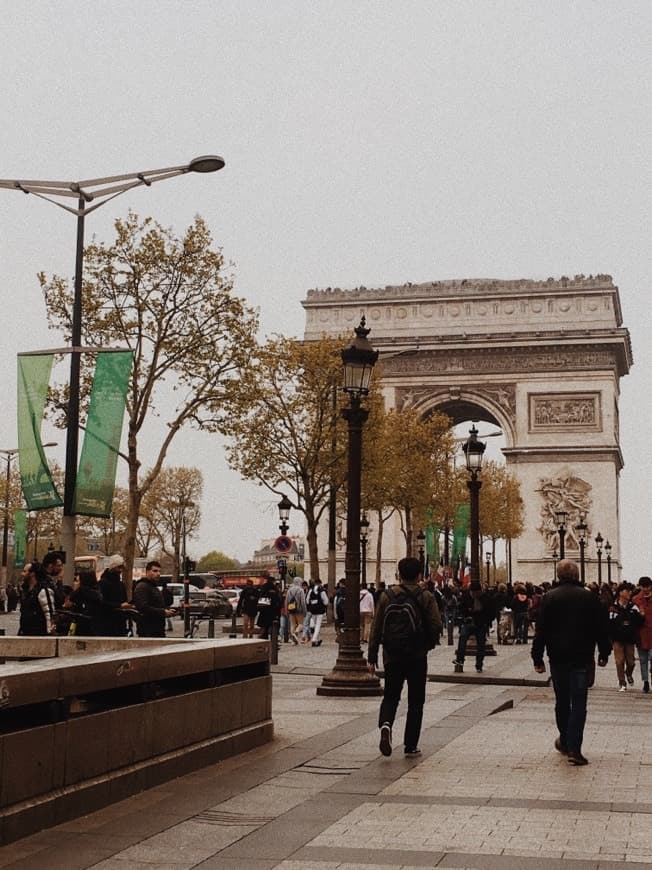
[(317, 603)]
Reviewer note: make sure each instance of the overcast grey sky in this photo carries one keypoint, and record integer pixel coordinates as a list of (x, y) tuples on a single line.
[(366, 143)]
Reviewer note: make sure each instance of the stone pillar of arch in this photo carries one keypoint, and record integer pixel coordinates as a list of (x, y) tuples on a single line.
[(540, 359)]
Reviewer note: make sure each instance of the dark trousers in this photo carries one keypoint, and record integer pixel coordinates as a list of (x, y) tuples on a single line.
[(467, 630), (571, 685), (521, 624), (414, 671)]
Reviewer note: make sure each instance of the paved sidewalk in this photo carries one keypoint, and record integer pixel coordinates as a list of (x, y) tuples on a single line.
[(488, 792)]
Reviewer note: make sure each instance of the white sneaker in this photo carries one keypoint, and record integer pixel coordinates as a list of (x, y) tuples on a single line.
[(622, 688)]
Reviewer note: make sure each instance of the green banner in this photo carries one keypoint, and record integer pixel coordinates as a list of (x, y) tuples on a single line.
[(99, 455), (33, 379), (460, 532), (432, 544), (20, 538)]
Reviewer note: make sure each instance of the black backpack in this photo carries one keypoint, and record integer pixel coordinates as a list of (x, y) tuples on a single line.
[(403, 631)]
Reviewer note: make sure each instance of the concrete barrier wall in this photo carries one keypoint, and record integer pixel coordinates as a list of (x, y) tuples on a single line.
[(87, 725)]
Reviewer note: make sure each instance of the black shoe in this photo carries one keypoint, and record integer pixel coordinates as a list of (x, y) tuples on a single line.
[(646, 687), (411, 753), (630, 679), (577, 759), (478, 670), (458, 663), (385, 745), (559, 746)]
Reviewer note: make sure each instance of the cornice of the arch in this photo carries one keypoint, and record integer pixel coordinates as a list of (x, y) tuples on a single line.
[(497, 399)]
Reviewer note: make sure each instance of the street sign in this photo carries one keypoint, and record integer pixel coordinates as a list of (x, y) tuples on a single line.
[(283, 544)]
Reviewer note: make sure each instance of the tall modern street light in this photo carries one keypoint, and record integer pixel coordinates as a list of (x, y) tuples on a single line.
[(598, 544), (581, 528), (561, 518), (350, 676), (488, 561), (9, 455), (97, 191), (473, 452), (364, 540), (607, 549)]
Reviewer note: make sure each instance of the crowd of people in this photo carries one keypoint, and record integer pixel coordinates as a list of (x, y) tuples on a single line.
[(91, 607)]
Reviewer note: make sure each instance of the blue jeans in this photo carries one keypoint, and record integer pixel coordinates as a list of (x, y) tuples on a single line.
[(467, 630), (645, 660), (571, 685)]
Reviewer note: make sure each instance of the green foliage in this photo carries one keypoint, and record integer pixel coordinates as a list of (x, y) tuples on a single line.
[(216, 561)]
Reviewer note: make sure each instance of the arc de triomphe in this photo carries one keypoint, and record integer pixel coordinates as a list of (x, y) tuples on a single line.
[(540, 359)]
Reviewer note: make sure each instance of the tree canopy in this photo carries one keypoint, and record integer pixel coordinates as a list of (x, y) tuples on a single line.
[(169, 300), (285, 428)]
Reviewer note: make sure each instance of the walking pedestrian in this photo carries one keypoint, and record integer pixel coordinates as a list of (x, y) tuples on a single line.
[(406, 624), (269, 607), (295, 605), (643, 600), (476, 614), (571, 622), (366, 613), (247, 607), (316, 603), (624, 621)]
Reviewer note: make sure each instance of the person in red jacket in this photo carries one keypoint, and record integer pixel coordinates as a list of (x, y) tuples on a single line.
[(644, 642)]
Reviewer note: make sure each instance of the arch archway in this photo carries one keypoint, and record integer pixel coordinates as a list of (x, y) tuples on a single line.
[(540, 359)]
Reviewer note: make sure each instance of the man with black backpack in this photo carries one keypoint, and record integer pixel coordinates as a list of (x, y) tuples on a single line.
[(407, 624)]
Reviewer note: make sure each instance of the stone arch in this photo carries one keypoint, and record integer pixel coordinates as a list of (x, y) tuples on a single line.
[(470, 404), (540, 359)]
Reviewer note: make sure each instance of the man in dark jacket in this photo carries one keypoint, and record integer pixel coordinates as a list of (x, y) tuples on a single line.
[(150, 604), (114, 596), (248, 608), (570, 623), (406, 664), (476, 612)]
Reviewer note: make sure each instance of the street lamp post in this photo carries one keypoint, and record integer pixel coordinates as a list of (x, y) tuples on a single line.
[(555, 557), (488, 561), (97, 191), (364, 532), (350, 676), (284, 507), (562, 518), (421, 539), (581, 529), (607, 549), (473, 452), (598, 544)]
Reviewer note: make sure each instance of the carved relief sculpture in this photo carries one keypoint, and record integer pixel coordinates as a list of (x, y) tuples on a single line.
[(556, 411), (567, 493)]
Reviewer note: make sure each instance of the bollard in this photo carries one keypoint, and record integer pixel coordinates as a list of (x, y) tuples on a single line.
[(211, 625), (234, 627), (450, 629), (273, 639)]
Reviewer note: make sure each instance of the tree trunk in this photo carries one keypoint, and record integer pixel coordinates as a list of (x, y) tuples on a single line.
[(379, 547)]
